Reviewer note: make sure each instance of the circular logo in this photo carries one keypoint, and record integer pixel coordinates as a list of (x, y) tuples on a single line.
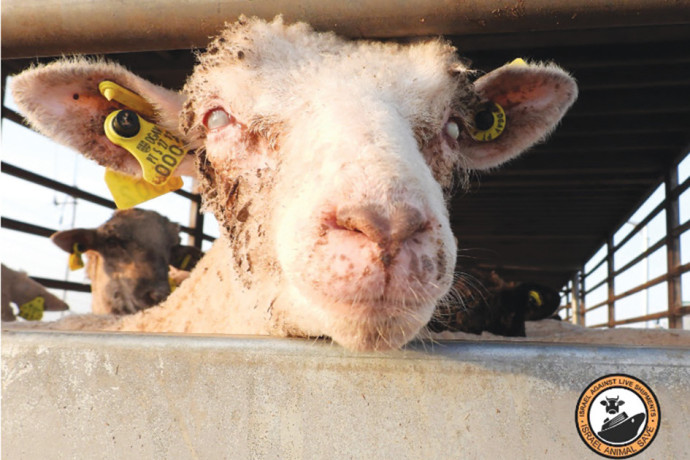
[(617, 416)]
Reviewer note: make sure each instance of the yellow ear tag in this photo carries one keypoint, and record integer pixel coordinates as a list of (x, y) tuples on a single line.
[(489, 124), (75, 260), (113, 91), (129, 191), (33, 309), (534, 295), (518, 62), (185, 262), (157, 150), (172, 284)]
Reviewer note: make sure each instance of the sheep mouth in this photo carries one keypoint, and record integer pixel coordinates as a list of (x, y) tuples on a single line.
[(378, 331), (376, 323)]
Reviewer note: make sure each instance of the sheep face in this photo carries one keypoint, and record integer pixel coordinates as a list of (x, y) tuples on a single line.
[(128, 258), (331, 180), (326, 162)]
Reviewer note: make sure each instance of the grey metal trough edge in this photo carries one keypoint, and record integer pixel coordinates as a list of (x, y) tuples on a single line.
[(110, 395)]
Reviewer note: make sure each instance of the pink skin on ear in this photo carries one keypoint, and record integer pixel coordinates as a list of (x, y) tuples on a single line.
[(534, 97)]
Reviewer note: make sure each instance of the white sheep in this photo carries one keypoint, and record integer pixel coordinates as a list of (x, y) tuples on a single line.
[(328, 163), (130, 259)]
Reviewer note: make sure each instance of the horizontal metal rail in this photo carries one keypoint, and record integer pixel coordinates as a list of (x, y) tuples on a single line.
[(648, 218), (639, 319), (649, 251), (659, 244), (12, 224), (99, 27), (653, 282), (58, 284), (75, 192), (10, 114), (55, 185)]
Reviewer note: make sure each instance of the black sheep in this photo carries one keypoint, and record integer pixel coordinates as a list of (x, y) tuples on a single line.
[(497, 307)]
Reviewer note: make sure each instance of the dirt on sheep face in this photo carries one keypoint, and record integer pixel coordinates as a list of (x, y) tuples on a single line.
[(328, 164)]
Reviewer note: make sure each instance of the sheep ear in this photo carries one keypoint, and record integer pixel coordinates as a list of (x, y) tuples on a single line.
[(62, 101), (534, 98), (185, 257), (65, 240)]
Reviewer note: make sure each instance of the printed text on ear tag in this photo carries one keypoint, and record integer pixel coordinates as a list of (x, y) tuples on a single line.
[(489, 123), (157, 150), (33, 309), (75, 260), (129, 191)]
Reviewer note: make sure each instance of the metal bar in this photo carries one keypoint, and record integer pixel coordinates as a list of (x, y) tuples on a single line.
[(637, 319), (193, 197), (671, 194), (66, 285), (73, 191), (526, 268), (596, 286), (17, 118), (641, 257), (81, 26), (55, 185), (672, 247), (648, 218), (12, 224), (675, 193), (12, 115), (610, 278), (679, 270), (578, 304), (681, 229), (198, 225), (599, 264)]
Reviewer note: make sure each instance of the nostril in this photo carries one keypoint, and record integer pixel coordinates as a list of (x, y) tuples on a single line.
[(367, 219), (155, 296), (390, 226), (405, 222)]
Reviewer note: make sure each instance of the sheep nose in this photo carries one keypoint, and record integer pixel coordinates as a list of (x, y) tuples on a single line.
[(388, 227), (156, 294)]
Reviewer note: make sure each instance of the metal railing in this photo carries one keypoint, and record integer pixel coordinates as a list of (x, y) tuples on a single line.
[(576, 307)]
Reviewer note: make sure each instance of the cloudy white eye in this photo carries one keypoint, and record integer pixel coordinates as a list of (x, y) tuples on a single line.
[(216, 119), (452, 129)]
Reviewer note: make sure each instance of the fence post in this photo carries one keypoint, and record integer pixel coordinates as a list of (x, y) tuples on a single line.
[(673, 248), (610, 281), (196, 219), (578, 304)]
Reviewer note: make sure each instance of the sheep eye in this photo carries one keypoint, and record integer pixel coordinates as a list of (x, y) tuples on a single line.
[(216, 119), (452, 129)]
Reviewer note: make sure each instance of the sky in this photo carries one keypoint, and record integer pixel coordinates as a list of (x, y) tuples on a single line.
[(38, 205)]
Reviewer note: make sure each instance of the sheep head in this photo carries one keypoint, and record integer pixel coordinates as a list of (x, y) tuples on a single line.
[(128, 259), (327, 162)]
